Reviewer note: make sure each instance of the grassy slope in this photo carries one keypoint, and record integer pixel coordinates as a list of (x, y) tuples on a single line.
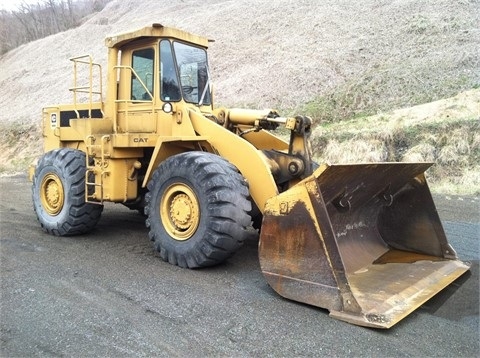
[(445, 132)]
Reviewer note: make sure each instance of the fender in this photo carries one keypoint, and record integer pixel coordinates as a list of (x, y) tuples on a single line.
[(165, 148)]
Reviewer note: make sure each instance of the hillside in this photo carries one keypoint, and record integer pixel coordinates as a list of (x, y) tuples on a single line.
[(444, 132), (330, 59)]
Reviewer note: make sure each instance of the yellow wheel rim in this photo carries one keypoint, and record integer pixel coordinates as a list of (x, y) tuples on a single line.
[(180, 211), (52, 194)]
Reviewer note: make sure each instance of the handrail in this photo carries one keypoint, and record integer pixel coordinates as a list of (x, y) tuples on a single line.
[(89, 88)]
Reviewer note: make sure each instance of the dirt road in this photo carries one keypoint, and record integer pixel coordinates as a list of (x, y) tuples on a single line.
[(107, 294)]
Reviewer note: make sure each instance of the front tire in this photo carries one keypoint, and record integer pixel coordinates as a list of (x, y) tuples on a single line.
[(197, 209), (58, 194)]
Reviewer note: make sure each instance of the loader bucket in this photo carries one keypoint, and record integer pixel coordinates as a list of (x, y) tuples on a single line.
[(363, 241)]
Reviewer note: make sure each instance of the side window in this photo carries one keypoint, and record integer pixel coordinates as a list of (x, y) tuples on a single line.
[(170, 90), (192, 66), (142, 77)]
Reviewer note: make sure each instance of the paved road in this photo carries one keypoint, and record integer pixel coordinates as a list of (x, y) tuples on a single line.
[(107, 294)]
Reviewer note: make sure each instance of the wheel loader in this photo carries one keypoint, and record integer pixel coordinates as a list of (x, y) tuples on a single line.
[(363, 241)]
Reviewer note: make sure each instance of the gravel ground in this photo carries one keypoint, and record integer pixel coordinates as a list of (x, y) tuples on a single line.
[(107, 294)]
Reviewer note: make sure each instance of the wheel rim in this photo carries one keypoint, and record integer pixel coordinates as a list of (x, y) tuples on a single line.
[(180, 211), (51, 194)]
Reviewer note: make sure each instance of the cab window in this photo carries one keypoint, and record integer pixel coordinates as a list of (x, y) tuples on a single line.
[(142, 75), (170, 90), (193, 71)]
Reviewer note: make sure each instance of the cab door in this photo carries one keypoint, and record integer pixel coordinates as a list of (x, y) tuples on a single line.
[(136, 93)]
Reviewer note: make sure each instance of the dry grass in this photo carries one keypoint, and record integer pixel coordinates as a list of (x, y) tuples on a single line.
[(423, 133), (20, 144)]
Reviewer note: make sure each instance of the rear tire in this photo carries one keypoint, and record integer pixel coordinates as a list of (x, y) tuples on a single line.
[(58, 194), (197, 209)]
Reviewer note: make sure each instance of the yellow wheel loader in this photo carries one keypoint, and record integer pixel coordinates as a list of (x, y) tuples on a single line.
[(363, 240)]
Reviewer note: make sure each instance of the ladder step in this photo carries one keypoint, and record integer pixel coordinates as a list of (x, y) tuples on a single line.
[(97, 172)]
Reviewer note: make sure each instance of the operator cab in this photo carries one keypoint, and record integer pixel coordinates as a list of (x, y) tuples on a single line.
[(159, 67), (183, 73), (182, 66)]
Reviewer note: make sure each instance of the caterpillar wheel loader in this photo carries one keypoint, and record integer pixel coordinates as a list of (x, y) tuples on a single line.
[(361, 240)]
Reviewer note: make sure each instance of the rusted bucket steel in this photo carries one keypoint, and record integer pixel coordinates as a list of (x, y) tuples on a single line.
[(363, 241)]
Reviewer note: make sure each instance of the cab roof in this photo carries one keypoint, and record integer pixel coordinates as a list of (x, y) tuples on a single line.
[(155, 31)]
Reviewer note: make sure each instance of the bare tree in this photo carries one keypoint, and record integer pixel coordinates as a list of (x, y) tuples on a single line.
[(30, 22)]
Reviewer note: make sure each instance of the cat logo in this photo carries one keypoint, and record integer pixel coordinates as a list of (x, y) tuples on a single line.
[(53, 120), (140, 140)]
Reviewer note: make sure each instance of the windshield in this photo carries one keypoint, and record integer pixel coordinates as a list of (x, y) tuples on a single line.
[(170, 89), (193, 69)]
